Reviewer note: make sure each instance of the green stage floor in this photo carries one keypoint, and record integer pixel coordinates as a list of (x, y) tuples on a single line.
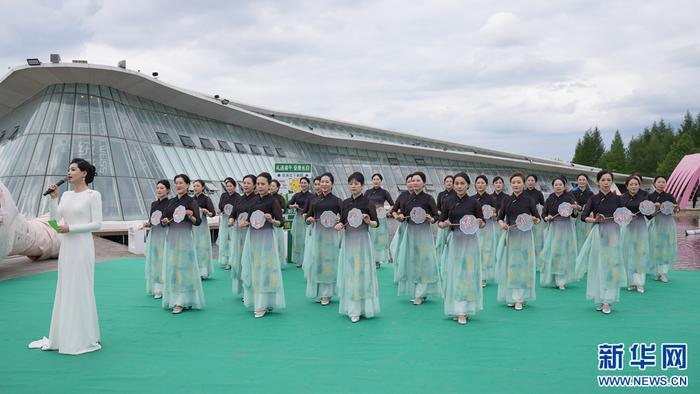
[(551, 346)]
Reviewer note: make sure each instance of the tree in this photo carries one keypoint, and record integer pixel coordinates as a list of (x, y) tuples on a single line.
[(696, 131), (683, 145), (589, 149), (615, 159)]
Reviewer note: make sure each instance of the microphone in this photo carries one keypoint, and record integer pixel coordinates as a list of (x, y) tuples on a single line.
[(58, 184)]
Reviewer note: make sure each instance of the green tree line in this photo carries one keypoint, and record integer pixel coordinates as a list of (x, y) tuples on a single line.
[(656, 151)]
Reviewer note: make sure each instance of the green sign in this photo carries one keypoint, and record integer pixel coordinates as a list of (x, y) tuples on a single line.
[(292, 167)]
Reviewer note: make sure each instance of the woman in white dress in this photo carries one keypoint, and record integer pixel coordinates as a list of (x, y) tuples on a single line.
[(74, 325)]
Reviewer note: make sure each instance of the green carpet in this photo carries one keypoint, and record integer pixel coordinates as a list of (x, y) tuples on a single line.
[(550, 346)]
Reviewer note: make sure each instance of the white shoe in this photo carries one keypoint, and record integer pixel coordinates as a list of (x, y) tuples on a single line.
[(462, 320), (606, 309), (518, 306), (158, 296), (259, 314), (177, 309), (354, 319), (42, 344), (599, 307), (640, 289)]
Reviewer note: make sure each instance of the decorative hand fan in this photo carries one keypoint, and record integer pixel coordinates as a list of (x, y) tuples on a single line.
[(227, 209), (468, 224), (667, 208), (418, 215), (355, 218), (647, 207), (328, 219), (179, 214), (565, 209), (155, 217), (257, 219), (622, 216), (487, 211), (523, 222), (540, 208), (242, 217)]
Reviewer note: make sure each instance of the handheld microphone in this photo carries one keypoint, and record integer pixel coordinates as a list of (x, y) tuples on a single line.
[(58, 184)]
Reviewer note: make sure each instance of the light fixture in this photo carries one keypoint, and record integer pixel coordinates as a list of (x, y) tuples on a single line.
[(33, 62), (225, 102), (155, 74), (122, 64), (216, 96), (55, 58)]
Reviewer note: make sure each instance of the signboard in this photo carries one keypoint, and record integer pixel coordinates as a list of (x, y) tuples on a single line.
[(289, 175)]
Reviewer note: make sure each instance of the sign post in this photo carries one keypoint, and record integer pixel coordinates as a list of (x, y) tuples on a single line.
[(289, 175)]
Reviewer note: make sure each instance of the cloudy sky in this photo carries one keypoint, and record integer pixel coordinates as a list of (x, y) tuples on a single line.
[(521, 76)]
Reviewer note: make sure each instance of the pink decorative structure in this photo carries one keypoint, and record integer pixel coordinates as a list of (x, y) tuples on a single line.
[(684, 180)]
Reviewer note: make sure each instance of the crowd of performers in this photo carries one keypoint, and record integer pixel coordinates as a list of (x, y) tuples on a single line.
[(481, 238)]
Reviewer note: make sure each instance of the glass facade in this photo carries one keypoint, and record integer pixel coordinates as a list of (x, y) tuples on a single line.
[(133, 142)]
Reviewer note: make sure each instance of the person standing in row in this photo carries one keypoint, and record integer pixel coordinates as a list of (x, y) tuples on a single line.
[(537, 196), (601, 254), (298, 202), (461, 260), (182, 282), (498, 194), (635, 237), (662, 232), (558, 257), (582, 193), (279, 231), (240, 214), (261, 272), (417, 259), (202, 236), (322, 273), (515, 256), (442, 199), (308, 247), (396, 209), (357, 288), (489, 233), (74, 325), (155, 245), (227, 202), (379, 234)]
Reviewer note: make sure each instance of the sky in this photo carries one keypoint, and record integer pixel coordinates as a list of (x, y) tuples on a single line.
[(520, 76)]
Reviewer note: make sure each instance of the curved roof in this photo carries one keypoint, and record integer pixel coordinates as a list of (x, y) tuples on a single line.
[(683, 182), (23, 82)]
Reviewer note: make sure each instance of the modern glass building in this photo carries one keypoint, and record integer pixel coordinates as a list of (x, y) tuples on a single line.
[(137, 129)]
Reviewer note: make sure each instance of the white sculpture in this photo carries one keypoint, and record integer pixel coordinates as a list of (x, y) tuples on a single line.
[(33, 238)]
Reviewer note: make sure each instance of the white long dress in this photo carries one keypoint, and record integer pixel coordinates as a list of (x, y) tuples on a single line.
[(74, 325)]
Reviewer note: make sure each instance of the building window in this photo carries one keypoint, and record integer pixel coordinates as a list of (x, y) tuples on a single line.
[(187, 141), (280, 152), (420, 162), (254, 149), (165, 139), (13, 133), (224, 146), (393, 161), (240, 148), (268, 150), (206, 144)]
